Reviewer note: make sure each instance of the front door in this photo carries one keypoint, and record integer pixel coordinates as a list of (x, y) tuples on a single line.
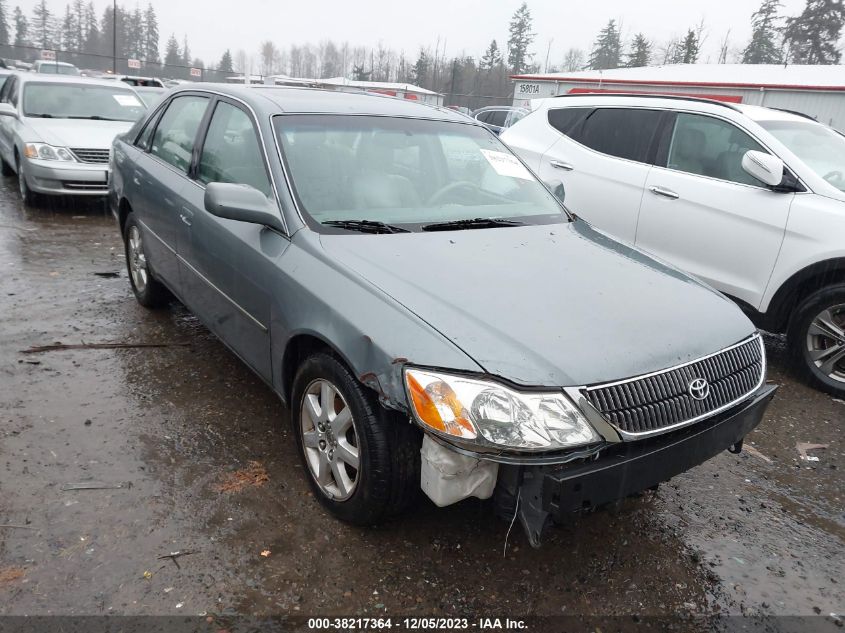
[(703, 213)]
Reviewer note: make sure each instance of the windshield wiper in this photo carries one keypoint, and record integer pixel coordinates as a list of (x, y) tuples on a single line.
[(475, 223), (40, 115), (365, 226), (93, 117)]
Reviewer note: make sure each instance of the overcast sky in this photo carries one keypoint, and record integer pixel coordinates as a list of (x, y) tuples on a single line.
[(467, 26)]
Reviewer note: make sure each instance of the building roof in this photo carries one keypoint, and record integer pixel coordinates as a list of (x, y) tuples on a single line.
[(771, 76)]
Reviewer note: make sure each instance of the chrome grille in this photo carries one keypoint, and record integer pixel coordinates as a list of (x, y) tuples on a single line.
[(85, 185), (657, 402), (91, 155)]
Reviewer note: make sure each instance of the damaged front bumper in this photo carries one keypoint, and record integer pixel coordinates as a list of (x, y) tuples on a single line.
[(540, 493)]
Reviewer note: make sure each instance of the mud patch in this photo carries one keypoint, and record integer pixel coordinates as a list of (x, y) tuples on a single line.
[(254, 475)]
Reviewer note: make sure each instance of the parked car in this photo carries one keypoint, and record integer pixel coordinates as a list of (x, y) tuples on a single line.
[(55, 132), (43, 66), (150, 95), (136, 81), (431, 321), (498, 118), (4, 75), (749, 199)]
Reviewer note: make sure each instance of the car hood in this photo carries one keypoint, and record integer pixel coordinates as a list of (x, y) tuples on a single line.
[(76, 132), (547, 305)]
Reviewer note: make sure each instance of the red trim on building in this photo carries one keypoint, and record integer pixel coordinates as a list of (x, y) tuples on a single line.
[(726, 98), (688, 84)]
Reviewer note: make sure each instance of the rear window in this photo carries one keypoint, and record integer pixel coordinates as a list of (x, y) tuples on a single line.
[(565, 120), (621, 132)]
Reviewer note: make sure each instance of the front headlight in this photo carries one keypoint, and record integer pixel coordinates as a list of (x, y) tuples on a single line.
[(488, 413), (43, 151)]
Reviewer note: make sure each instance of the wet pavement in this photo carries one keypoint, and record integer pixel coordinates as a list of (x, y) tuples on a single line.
[(205, 464)]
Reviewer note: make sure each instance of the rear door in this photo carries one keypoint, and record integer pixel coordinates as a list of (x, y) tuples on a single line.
[(229, 266), (702, 212), (159, 178), (603, 158)]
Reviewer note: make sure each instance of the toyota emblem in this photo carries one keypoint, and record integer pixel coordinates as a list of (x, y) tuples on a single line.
[(699, 389)]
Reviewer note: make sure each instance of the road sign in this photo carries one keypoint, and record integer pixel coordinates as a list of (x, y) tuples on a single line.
[(196, 72), (48, 55), (133, 63)]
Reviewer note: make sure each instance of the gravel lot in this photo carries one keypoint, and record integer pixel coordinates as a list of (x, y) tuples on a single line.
[(205, 463)]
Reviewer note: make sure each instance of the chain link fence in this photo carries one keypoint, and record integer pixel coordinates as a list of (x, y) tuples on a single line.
[(95, 64)]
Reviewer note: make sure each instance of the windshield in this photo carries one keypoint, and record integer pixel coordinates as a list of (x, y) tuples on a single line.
[(80, 101), (58, 69), (406, 172), (820, 147)]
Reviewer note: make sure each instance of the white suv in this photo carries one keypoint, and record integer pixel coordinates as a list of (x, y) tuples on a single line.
[(749, 199)]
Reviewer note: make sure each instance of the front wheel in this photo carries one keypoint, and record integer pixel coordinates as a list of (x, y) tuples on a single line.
[(28, 196), (817, 339), (149, 292), (363, 462)]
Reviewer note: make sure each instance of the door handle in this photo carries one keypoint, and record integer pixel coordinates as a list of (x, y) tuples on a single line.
[(557, 164), (666, 193), (186, 215)]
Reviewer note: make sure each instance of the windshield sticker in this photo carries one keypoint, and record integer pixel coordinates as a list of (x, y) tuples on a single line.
[(506, 164), (128, 101)]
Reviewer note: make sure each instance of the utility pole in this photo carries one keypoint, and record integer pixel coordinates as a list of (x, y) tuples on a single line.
[(114, 37)]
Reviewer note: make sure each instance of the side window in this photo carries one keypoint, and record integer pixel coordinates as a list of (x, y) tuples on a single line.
[(13, 92), (621, 132), (4, 91), (143, 141), (565, 120), (711, 147), (176, 132), (497, 117), (484, 116), (231, 152)]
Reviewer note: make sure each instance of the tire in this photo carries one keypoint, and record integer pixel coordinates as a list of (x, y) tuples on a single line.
[(387, 479), (808, 348), (28, 196), (149, 292)]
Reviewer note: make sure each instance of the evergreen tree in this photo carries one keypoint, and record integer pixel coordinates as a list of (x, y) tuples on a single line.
[(520, 38), (107, 31), (68, 31), (420, 70), (4, 24), (690, 48), (492, 57), (813, 36), (91, 40), (186, 52), (763, 49), (607, 49), (640, 54), (42, 25), (172, 57), (151, 35), (358, 72), (226, 63), (21, 28)]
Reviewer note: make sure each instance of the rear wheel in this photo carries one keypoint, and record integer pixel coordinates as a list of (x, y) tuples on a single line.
[(363, 462), (149, 292), (817, 339)]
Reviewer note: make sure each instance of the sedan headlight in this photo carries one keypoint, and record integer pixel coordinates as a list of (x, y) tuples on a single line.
[(488, 413), (43, 151)]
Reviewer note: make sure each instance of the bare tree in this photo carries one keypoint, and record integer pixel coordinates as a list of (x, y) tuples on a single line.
[(268, 56), (574, 60)]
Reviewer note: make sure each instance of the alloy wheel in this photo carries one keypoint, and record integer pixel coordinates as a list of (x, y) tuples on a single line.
[(826, 342), (137, 259), (330, 440)]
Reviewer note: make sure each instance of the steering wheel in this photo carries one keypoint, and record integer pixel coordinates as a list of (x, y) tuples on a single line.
[(439, 195), (835, 178)]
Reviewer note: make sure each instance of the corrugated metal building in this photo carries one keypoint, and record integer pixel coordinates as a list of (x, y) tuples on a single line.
[(818, 91), (392, 89)]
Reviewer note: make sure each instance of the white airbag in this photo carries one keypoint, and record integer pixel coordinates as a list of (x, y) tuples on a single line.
[(447, 477)]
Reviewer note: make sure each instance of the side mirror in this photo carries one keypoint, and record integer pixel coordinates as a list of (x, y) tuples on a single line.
[(764, 167), (7, 109), (242, 203), (559, 190)]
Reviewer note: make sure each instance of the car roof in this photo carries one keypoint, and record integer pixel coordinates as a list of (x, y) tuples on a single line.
[(760, 113), (283, 99), (635, 100), (69, 79)]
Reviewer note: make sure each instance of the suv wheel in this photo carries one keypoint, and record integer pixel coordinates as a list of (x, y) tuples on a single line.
[(149, 292), (363, 462), (817, 339)]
